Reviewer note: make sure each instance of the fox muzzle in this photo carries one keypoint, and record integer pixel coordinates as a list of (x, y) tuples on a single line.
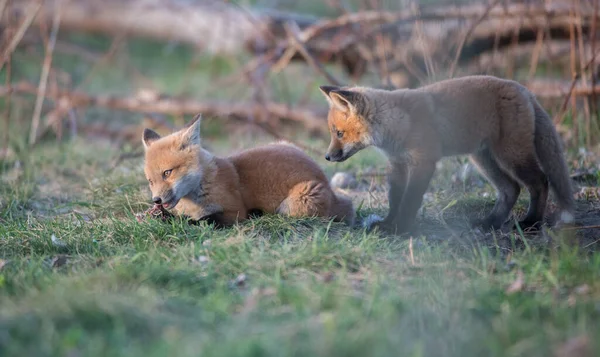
[(335, 155)]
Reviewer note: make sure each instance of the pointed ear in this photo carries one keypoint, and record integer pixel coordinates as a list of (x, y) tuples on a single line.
[(191, 136), (327, 89), (346, 101), (149, 137)]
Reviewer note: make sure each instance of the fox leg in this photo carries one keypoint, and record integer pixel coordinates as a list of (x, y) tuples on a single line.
[(528, 171), (307, 199), (419, 177), (536, 182), (397, 180), (507, 189)]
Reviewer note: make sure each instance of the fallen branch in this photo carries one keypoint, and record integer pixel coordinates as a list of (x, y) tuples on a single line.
[(558, 89), (312, 120)]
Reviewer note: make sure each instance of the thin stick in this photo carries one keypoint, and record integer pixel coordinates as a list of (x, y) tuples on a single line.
[(8, 80), (592, 65), (35, 121), (114, 46), (7, 103), (513, 45), (293, 31), (3, 4), (410, 251), (539, 44), (580, 227), (20, 32), (468, 34), (432, 14), (586, 102), (560, 116)]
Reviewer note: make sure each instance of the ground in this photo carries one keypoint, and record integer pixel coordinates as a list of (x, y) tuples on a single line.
[(80, 276)]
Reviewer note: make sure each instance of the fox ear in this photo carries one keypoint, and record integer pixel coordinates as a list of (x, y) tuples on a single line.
[(149, 137), (191, 136), (327, 89), (346, 101)]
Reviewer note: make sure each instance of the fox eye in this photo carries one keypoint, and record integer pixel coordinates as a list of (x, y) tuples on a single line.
[(150, 181), (166, 173), (340, 134)]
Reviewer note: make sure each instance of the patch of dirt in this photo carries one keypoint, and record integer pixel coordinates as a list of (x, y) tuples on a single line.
[(459, 193)]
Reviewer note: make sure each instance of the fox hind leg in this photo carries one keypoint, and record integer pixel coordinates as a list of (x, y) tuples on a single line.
[(307, 199), (507, 188), (525, 167), (536, 182)]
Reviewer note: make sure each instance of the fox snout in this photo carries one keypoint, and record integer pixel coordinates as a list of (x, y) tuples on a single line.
[(335, 155), (166, 198)]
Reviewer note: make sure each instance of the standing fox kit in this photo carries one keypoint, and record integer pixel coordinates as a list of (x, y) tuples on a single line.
[(508, 135), (276, 178)]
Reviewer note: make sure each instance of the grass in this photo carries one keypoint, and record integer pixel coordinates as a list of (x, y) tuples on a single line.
[(109, 285), (79, 276)]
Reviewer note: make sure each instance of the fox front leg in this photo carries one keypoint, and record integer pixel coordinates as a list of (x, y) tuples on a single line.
[(397, 181), (419, 177)]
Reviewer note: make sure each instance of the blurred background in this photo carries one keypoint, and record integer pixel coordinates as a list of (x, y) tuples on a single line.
[(80, 276), (107, 68)]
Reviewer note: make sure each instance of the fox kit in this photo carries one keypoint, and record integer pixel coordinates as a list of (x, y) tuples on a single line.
[(508, 135), (276, 178)]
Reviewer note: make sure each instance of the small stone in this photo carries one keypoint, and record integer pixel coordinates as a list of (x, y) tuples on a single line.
[(343, 180), (240, 280)]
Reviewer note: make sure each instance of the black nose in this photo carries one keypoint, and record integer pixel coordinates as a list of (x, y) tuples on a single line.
[(156, 200), (327, 157)]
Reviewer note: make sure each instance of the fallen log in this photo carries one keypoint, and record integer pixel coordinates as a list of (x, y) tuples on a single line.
[(312, 120), (354, 40)]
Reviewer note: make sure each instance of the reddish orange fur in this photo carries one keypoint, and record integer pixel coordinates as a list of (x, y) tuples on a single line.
[(276, 178)]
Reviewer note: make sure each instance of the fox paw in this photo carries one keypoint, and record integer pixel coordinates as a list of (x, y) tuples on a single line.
[(384, 227)]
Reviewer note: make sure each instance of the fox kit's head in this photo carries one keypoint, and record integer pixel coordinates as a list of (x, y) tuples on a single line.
[(347, 121), (174, 164)]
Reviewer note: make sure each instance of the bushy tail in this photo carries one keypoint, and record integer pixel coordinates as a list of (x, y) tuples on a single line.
[(342, 209), (550, 154)]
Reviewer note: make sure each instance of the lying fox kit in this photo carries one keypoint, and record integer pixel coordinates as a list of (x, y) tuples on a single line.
[(508, 135), (276, 178)]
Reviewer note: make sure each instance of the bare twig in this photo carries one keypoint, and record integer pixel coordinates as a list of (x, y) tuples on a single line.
[(558, 89), (20, 32), (293, 33), (35, 121), (592, 64), (545, 10), (3, 4), (574, 73), (114, 46), (586, 104), (560, 115), (7, 101), (468, 34), (410, 251), (580, 227), (539, 44)]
